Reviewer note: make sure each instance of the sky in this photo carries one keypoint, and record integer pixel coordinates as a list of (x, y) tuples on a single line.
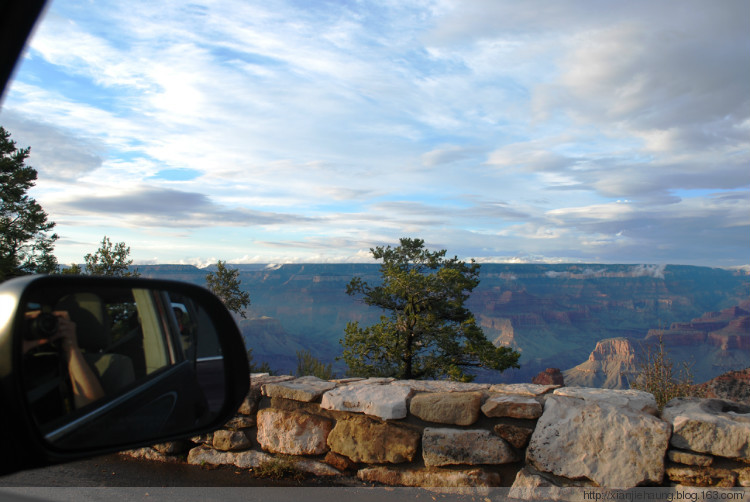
[(546, 131)]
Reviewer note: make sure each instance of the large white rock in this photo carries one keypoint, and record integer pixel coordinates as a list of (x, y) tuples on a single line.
[(305, 389), (523, 389), (634, 399), (712, 426), (611, 444), (442, 386), (383, 401)]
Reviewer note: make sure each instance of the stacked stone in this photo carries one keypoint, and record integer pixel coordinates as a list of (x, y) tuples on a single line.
[(596, 437), (710, 444), (449, 434), (233, 443), (405, 433)]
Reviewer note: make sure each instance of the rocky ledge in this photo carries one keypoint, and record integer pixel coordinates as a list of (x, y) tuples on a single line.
[(447, 434)]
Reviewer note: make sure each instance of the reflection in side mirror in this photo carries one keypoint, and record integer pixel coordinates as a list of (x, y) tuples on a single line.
[(113, 366)]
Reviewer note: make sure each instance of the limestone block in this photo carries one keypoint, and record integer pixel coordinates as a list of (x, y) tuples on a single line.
[(532, 485), (689, 458), (528, 478), (510, 405), (712, 426), (248, 459), (457, 408), (315, 468), (249, 406), (384, 401), (614, 446), (292, 432), (339, 462), (239, 422), (515, 435), (743, 477), (257, 380), (148, 453), (229, 440), (442, 386), (173, 447), (363, 439), (442, 446), (305, 389), (523, 389), (207, 438), (430, 478), (701, 476), (635, 399)]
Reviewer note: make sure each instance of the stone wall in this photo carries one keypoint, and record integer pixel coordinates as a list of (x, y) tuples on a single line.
[(447, 434)]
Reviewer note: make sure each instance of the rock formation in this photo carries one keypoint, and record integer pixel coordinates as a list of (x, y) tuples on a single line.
[(550, 376), (732, 386), (610, 365), (708, 344), (554, 314)]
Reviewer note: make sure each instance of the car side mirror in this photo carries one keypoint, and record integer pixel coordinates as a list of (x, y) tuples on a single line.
[(91, 365)]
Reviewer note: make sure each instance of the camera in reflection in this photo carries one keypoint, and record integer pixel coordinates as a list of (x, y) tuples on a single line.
[(42, 326)]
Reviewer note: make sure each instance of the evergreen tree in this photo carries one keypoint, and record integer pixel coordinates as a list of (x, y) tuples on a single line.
[(226, 285), (109, 260), (428, 332), (25, 243), (309, 365)]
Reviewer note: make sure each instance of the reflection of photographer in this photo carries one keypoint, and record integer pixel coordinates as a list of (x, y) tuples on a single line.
[(58, 330)]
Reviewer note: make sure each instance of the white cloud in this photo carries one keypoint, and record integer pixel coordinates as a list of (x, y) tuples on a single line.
[(494, 128)]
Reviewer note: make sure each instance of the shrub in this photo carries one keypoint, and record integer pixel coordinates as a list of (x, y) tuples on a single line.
[(279, 468), (657, 375), (307, 364)]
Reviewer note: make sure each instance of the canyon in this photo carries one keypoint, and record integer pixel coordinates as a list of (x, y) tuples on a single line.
[(558, 316)]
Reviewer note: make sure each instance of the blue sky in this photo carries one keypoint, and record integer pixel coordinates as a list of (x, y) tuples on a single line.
[(291, 131)]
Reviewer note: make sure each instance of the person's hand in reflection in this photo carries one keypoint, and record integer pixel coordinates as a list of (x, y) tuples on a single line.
[(85, 385)]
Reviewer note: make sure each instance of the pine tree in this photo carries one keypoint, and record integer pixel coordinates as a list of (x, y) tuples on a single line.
[(226, 285), (110, 260), (25, 242), (428, 333)]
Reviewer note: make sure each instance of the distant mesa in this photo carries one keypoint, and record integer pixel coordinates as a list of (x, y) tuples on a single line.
[(612, 364), (727, 329), (711, 344), (553, 314)]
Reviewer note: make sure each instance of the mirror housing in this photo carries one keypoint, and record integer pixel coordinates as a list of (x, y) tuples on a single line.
[(94, 365)]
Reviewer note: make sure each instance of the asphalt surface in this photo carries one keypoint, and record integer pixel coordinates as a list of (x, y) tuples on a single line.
[(116, 470), (123, 479)]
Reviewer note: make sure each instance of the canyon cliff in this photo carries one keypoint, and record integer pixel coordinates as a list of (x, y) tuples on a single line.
[(553, 314), (708, 345)]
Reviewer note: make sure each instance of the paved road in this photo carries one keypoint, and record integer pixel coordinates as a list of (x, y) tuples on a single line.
[(115, 470), (115, 478)]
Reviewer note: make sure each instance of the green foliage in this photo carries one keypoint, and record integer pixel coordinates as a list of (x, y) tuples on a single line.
[(109, 260), (307, 365), (428, 332), (263, 367), (279, 468), (73, 269), (658, 376), (226, 285), (25, 244)]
